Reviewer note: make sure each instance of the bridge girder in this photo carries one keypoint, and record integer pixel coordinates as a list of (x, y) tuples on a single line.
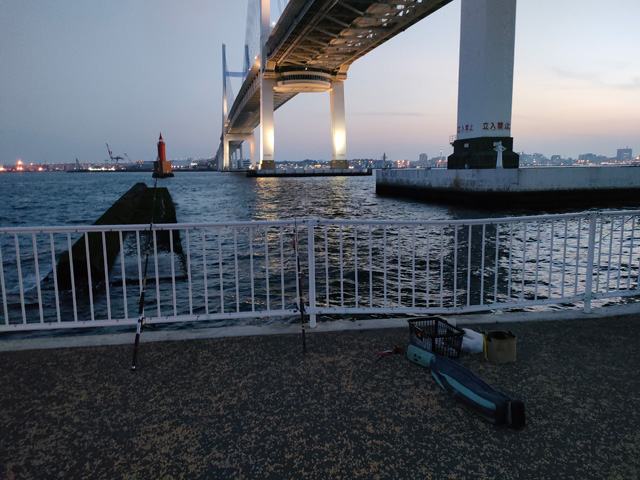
[(324, 35), (360, 24)]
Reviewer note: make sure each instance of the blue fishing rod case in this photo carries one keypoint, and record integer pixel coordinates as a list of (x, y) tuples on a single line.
[(494, 406)]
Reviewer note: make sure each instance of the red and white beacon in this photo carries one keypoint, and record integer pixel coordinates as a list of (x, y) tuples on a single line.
[(162, 167)]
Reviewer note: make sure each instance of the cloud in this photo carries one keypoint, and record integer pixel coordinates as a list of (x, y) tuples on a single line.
[(610, 78), (632, 84), (388, 114)]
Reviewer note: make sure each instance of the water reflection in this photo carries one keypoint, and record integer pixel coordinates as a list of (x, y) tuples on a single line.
[(56, 198), (402, 266), (334, 198)]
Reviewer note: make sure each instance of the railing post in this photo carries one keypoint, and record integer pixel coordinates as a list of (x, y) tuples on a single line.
[(311, 258), (588, 294)]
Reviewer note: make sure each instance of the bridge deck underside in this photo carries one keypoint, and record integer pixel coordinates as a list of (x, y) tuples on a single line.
[(331, 35), (244, 115), (326, 35)]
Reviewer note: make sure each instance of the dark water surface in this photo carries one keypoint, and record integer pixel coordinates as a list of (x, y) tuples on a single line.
[(57, 198), (68, 199)]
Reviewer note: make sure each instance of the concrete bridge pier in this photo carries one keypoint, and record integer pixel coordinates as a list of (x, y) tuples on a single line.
[(338, 122), (485, 86), (267, 85), (302, 80), (228, 138), (267, 160), (252, 149), (338, 126)]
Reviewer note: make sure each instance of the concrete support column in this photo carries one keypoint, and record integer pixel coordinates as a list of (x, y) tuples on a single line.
[(338, 126), (265, 30), (252, 147), (237, 138), (485, 86), (267, 161), (225, 154)]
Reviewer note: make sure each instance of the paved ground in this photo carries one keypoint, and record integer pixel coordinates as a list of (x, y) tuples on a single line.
[(256, 407)]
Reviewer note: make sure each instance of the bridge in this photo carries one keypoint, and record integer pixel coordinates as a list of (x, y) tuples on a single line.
[(313, 44)]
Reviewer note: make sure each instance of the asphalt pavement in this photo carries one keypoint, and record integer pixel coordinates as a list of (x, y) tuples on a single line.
[(257, 407)]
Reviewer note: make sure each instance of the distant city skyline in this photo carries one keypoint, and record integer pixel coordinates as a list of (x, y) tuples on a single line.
[(78, 75), (624, 156)]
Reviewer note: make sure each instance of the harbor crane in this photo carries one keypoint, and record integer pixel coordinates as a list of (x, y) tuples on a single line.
[(115, 159)]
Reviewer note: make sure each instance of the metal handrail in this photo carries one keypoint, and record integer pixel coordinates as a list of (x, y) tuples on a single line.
[(246, 269)]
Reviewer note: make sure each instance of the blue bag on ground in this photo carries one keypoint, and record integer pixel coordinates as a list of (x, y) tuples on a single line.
[(494, 406)]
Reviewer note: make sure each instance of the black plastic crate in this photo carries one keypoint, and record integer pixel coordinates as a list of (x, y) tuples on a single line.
[(436, 335)]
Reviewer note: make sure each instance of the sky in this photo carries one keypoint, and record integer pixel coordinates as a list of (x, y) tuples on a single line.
[(77, 74)]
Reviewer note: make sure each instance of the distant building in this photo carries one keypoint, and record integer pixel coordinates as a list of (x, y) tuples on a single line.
[(591, 158), (535, 159), (423, 161), (624, 154)]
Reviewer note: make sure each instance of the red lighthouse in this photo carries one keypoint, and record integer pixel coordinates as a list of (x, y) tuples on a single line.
[(161, 167)]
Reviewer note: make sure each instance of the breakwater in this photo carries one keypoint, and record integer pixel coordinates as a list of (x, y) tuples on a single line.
[(94, 253)]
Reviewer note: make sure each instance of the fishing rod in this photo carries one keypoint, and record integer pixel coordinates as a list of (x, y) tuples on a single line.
[(141, 319), (299, 272)]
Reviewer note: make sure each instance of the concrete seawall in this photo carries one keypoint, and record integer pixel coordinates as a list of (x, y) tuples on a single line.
[(532, 187)]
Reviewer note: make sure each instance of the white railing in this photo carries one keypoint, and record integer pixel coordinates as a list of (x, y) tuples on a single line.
[(246, 270)]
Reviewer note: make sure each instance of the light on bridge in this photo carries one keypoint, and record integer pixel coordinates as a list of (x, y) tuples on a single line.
[(339, 141), (270, 139)]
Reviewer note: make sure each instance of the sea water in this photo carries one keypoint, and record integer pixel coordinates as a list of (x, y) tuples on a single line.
[(68, 199), (59, 198)]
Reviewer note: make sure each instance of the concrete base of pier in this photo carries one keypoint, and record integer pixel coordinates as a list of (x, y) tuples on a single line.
[(479, 152), (310, 172), (267, 165), (339, 164), (540, 187)]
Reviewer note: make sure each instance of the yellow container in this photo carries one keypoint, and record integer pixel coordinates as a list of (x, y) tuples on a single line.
[(500, 347)]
